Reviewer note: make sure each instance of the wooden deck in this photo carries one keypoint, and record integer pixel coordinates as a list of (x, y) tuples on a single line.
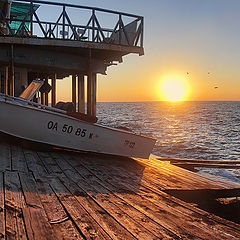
[(67, 195)]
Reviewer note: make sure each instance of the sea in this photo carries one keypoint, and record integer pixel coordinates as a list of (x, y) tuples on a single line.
[(191, 130)]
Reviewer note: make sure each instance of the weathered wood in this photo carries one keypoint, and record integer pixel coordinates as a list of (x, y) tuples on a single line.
[(5, 90), (35, 217), (74, 89), (18, 159), (184, 179), (57, 217), (53, 95), (5, 157), (65, 195), (81, 94), (125, 214), (97, 213), (180, 160), (2, 217), (206, 165), (89, 91), (133, 199), (34, 163), (14, 204)]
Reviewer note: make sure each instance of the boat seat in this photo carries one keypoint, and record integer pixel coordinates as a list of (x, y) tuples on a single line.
[(66, 106)]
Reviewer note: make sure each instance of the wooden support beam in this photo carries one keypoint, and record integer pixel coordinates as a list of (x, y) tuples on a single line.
[(12, 73), (54, 78), (46, 94), (91, 94), (74, 88), (42, 98), (5, 84), (89, 90), (94, 93), (81, 94)]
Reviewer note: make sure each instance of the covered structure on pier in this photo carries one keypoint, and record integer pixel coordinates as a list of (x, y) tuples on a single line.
[(34, 47)]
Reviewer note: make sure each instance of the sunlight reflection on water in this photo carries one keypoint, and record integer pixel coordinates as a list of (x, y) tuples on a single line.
[(199, 130)]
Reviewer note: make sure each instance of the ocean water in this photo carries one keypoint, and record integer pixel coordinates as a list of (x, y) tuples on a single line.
[(196, 130)]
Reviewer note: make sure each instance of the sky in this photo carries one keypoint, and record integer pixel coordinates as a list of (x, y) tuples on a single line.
[(197, 41)]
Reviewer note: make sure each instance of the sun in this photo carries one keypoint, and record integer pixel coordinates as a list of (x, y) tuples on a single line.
[(174, 89)]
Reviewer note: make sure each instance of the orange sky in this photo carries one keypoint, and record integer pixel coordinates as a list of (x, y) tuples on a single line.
[(195, 40)]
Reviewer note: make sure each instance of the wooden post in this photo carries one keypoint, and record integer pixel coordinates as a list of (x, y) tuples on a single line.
[(11, 82), (5, 85), (46, 93), (94, 94), (91, 94), (89, 91), (74, 83), (42, 98), (54, 78), (81, 94)]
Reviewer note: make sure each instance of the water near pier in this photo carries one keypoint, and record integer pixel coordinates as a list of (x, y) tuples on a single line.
[(199, 130)]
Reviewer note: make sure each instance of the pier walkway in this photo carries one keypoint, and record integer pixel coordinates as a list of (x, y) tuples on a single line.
[(67, 195)]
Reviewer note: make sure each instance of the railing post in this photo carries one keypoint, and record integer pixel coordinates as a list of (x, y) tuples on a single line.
[(64, 9), (93, 25), (120, 29), (142, 24), (31, 17)]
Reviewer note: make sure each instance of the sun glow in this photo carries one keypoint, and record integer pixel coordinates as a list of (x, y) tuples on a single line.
[(174, 89)]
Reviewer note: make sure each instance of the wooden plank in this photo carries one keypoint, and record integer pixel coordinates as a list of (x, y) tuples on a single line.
[(34, 164), (18, 159), (127, 216), (2, 218), (189, 179), (36, 221), (180, 160), (89, 228), (206, 165), (5, 156), (57, 217), (172, 218), (97, 214), (14, 204)]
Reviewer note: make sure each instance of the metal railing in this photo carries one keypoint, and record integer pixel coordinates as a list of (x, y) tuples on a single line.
[(127, 29)]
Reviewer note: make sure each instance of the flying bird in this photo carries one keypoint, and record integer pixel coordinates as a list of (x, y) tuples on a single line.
[(215, 87)]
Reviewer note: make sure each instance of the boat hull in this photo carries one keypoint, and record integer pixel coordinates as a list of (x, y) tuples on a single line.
[(44, 126)]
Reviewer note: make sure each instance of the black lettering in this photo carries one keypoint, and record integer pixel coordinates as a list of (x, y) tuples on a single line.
[(50, 125), (55, 127), (83, 134), (78, 132), (90, 136), (70, 129)]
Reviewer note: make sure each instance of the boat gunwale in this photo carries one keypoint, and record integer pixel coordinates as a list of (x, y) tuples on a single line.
[(51, 110)]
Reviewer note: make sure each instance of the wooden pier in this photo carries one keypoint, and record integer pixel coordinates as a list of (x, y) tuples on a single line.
[(67, 195)]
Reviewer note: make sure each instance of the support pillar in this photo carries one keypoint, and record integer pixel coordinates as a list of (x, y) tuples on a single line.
[(46, 94), (94, 94), (89, 91), (91, 94), (54, 78), (42, 98), (5, 83), (74, 98), (12, 73), (81, 94)]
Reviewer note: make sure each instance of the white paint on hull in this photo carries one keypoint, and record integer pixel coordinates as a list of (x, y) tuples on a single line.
[(57, 129)]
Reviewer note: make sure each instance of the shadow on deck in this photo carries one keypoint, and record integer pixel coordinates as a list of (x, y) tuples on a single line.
[(53, 194)]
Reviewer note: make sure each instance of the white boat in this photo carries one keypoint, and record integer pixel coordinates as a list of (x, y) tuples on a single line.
[(23, 118)]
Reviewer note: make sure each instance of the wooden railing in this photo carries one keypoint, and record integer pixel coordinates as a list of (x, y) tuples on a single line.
[(91, 26)]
